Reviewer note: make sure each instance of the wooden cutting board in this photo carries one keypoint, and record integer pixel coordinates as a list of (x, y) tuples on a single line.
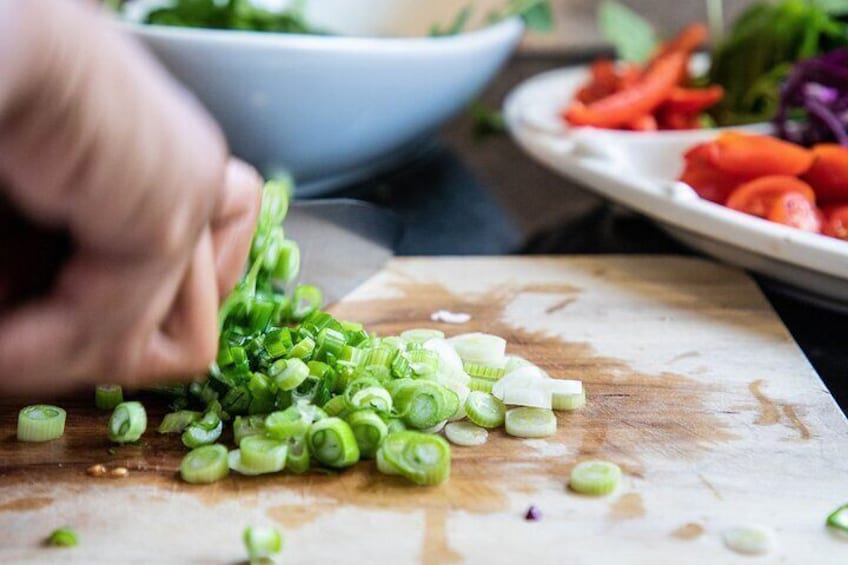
[(694, 387)]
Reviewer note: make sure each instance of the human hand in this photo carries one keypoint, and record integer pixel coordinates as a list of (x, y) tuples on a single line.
[(100, 148)]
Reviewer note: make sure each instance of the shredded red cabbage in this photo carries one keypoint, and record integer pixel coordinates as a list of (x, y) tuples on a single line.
[(814, 100)]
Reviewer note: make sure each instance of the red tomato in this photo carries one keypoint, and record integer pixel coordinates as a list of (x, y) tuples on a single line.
[(829, 173), (757, 197), (755, 156), (836, 224), (795, 209)]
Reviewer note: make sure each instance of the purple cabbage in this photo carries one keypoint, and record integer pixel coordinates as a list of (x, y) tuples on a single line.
[(814, 101)]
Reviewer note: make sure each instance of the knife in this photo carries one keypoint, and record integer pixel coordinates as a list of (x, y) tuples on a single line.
[(343, 242)]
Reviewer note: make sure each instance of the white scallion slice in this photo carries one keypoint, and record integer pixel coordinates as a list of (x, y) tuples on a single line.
[(513, 362), (524, 377), (480, 348), (530, 422), (421, 335), (749, 539), (536, 397), (466, 434), (484, 409), (449, 360), (595, 478), (435, 429)]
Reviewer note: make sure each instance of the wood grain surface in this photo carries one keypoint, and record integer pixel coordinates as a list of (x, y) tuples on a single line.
[(694, 388)]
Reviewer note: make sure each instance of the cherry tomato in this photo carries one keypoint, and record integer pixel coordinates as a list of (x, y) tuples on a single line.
[(794, 209), (757, 197), (829, 173), (836, 222)]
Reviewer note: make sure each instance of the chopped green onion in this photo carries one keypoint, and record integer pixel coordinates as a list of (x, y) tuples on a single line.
[(297, 457), (263, 455), (423, 404), (302, 349), (466, 434), (485, 410), (262, 543), (244, 426), (421, 458), (330, 342), (205, 464), (530, 422), (594, 477), (128, 422), (289, 374), (369, 431), (205, 431), (306, 299), (568, 400), (331, 442), (749, 540), (336, 406), (423, 362), (293, 421), (395, 425), (421, 335), (235, 463), (489, 372), (839, 519), (177, 422), (106, 397), (482, 385), (63, 537), (526, 386), (41, 422), (513, 362), (480, 348), (372, 397)]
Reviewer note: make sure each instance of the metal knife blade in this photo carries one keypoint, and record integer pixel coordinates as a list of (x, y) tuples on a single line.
[(343, 242)]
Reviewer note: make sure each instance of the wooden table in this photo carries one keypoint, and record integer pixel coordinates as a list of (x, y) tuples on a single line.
[(694, 388)]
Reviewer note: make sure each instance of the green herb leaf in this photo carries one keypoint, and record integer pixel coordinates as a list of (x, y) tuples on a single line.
[(832, 7), (486, 121), (456, 27), (632, 35)]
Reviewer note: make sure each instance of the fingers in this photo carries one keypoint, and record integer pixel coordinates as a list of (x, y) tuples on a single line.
[(187, 340), (40, 349), (233, 223)]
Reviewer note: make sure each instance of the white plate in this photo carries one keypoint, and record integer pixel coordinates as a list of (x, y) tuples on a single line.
[(639, 171), (334, 108)]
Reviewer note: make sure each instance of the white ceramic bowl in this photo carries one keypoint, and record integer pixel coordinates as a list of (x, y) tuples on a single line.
[(331, 109)]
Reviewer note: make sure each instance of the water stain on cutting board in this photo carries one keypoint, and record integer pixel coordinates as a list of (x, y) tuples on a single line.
[(628, 505), (26, 504), (772, 412), (689, 531)]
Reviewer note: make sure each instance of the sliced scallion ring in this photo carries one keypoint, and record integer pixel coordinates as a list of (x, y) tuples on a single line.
[(530, 422), (481, 371), (595, 477), (480, 348), (421, 458), (63, 537), (369, 430), (331, 442), (262, 543), (177, 422), (244, 426), (289, 374), (106, 397), (41, 422), (262, 454), (466, 434), (205, 464), (420, 335), (485, 410), (297, 456), (128, 422)]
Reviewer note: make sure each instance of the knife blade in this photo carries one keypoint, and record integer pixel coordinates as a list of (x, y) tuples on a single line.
[(343, 242)]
